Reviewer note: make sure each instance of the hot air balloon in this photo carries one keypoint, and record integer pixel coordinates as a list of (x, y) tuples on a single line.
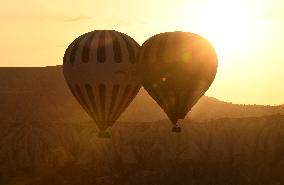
[(100, 70), (176, 69)]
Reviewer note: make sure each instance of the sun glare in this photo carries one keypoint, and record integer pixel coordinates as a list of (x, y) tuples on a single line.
[(230, 26)]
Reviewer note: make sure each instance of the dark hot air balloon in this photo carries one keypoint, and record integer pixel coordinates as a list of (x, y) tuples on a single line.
[(100, 70), (176, 69)]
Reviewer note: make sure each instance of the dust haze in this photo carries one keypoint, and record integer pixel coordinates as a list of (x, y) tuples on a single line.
[(46, 138)]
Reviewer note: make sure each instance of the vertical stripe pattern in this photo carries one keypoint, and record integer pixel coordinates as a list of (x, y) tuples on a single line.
[(87, 48), (120, 98), (75, 47), (116, 48), (87, 42), (91, 98), (91, 66), (101, 51)]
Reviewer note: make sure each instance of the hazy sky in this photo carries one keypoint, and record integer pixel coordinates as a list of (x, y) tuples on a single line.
[(247, 34)]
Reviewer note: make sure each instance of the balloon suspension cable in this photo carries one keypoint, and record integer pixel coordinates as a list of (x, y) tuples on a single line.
[(104, 134), (176, 128)]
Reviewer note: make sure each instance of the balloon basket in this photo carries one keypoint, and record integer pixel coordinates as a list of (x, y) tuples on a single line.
[(176, 129), (104, 135)]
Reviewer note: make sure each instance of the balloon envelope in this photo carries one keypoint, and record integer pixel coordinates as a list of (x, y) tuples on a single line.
[(100, 70), (176, 69)]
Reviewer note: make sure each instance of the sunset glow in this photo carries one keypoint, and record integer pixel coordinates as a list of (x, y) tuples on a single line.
[(232, 27), (247, 35)]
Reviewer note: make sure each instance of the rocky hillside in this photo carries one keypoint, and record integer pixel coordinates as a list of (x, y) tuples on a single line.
[(236, 151)]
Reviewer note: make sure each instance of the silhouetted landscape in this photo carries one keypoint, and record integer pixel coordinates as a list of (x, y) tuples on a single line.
[(47, 138), (41, 94)]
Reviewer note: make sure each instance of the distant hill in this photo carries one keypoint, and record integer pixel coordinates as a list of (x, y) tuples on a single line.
[(40, 94)]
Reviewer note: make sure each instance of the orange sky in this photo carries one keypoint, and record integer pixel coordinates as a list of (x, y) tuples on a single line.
[(247, 34)]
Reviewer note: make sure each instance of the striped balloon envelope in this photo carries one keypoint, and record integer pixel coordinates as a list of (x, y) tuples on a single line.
[(176, 69), (100, 70)]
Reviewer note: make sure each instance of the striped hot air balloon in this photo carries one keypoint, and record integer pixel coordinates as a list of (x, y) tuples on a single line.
[(100, 70), (176, 69)]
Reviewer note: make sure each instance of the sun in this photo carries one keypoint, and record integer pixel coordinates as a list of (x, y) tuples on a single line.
[(232, 27), (236, 29)]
